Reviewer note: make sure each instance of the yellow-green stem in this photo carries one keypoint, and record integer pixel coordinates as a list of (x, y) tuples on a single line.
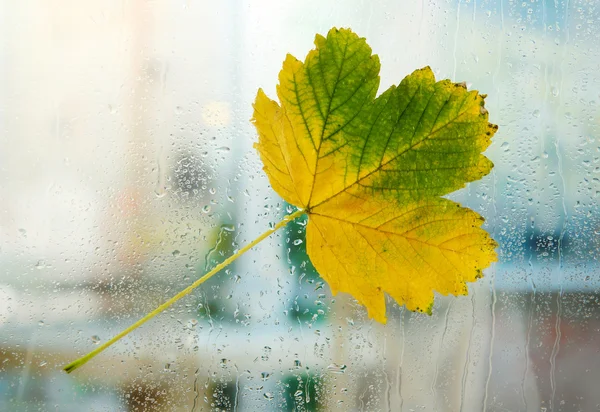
[(84, 359)]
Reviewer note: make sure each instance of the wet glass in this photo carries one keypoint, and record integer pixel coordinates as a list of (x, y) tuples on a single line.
[(127, 171)]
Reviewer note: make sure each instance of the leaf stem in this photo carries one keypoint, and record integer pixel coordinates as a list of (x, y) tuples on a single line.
[(84, 359)]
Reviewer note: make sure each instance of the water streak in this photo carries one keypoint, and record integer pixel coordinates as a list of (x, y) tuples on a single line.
[(439, 353), (495, 207), (557, 325), (399, 370), (463, 387), (388, 383), (456, 39)]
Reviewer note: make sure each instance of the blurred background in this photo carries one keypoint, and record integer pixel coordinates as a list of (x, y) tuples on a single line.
[(127, 170)]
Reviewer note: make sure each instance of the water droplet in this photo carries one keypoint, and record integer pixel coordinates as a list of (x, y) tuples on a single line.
[(41, 323), (297, 242), (268, 396), (176, 253), (167, 367), (228, 228), (265, 375), (43, 363), (95, 339), (223, 149), (335, 368), (298, 393), (555, 91), (40, 264), (206, 208)]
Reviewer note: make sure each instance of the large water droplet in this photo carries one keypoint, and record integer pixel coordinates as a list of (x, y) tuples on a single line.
[(335, 368)]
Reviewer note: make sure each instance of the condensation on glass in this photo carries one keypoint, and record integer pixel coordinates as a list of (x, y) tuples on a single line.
[(127, 170)]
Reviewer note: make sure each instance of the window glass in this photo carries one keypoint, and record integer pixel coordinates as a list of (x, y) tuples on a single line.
[(127, 171)]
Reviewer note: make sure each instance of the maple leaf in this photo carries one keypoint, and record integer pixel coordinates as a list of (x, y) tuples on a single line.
[(370, 173)]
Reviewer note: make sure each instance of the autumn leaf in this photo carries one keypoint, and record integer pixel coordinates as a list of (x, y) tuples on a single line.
[(370, 173)]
